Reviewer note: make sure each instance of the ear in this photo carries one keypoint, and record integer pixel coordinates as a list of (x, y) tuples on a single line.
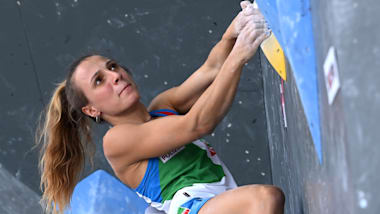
[(90, 111)]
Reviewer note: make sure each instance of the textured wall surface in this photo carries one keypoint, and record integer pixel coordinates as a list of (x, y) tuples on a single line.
[(346, 181), (163, 42), (294, 159), (350, 128), (15, 197)]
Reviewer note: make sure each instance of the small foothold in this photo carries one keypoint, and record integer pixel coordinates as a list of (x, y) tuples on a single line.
[(146, 76), (247, 160), (246, 152), (227, 140), (210, 31), (263, 174), (259, 159), (228, 134), (18, 174), (165, 83), (18, 3), (229, 125), (363, 203), (240, 102), (213, 134)]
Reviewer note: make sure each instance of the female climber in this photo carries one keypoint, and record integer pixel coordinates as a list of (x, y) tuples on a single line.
[(155, 150)]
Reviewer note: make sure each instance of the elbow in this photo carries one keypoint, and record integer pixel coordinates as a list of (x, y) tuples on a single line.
[(206, 130)]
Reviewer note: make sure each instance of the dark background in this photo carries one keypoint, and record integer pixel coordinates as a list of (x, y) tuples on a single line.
[(163, 42)]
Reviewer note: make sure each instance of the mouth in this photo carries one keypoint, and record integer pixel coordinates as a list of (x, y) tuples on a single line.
[(125, 87)]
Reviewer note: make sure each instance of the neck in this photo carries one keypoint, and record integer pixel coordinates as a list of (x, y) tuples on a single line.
[(136, 114)]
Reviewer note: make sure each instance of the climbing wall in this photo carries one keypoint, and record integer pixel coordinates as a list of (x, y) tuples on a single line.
[(340, 174), (162, 42)]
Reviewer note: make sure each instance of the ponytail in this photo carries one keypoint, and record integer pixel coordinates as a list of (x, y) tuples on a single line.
[(65, 138)]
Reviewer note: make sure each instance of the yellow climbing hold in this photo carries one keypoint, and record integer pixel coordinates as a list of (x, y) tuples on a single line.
[(275, 55)]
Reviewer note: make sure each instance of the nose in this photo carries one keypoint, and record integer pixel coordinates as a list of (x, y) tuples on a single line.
[(116, 76)]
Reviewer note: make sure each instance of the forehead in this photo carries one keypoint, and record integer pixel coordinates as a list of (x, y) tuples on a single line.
[(88, 67)]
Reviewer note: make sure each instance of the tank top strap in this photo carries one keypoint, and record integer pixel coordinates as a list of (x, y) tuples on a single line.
[(163, 113)]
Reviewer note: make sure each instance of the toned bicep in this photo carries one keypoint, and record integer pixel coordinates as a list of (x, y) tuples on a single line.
[(133, 143)]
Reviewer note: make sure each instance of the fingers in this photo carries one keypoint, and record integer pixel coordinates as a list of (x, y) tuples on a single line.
[(257, 20), (248, 16), (244, 4), (260, 39), (254, 33), (249, 10)]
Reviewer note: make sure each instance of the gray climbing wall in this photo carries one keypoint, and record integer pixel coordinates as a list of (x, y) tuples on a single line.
[(162, 42), (15, 197), (347, 179)]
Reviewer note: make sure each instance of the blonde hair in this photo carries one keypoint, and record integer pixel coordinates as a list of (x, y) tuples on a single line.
[(65, 138)]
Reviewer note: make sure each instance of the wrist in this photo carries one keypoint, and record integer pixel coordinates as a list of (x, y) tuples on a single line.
[(229, 36), (231, 33), (235, 60)]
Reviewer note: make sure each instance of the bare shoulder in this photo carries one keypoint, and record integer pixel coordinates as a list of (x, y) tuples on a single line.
[(114, 139)]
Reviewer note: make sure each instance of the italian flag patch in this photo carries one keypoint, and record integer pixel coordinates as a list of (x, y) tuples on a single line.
[(183, 210)]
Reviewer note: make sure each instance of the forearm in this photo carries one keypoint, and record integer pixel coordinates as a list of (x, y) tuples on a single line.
[(214, 103), (220, 51)]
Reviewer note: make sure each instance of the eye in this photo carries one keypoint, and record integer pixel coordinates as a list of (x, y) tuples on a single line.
[(113, 66), (98, 81)]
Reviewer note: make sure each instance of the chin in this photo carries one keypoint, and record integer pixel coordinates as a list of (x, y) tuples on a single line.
[(135, 99)]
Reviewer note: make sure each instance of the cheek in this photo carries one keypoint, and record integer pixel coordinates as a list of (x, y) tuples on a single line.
[(126, 77), (104, 94)]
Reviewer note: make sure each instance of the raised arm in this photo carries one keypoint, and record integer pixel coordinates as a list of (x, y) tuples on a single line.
[(182, 97), (157, 137)]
